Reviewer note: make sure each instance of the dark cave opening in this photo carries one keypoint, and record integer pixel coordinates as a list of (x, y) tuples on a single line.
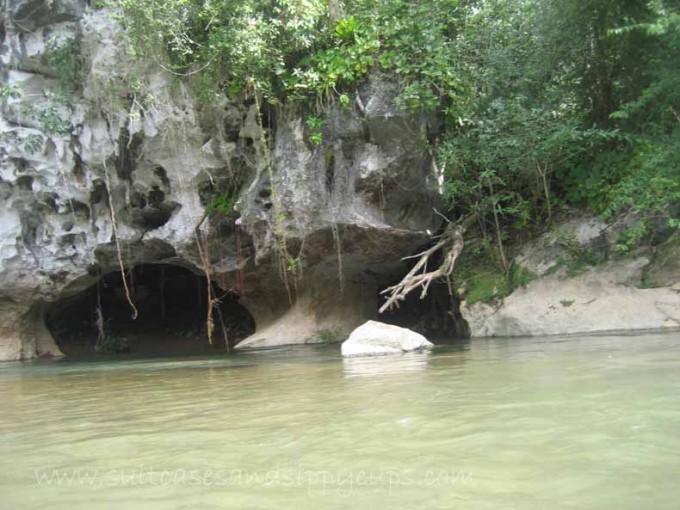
[(172, 306), (437, 316)]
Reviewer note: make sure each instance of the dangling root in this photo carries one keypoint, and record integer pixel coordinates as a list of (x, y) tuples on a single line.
[(338, 247), (119, 252), (279, 231), (99, 321), (202, 245), (452, 242), (225, 334)]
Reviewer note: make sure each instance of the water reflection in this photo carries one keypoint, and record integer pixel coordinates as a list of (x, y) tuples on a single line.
[(372, 366)]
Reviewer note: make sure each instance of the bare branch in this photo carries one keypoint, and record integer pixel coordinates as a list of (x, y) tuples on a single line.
[(448, 221), (452, 242)]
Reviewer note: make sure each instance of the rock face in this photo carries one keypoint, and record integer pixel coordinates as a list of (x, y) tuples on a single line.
[(376, 338), (600, 299), (664, 269), (571, 296), (127, 154)]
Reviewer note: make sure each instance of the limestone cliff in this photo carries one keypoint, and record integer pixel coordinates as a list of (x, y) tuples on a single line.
[(314, 235)]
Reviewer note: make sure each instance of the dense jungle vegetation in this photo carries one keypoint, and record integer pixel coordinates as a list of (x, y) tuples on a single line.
[(545, 103)]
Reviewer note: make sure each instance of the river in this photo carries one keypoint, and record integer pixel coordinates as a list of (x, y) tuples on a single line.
[(556, 423)]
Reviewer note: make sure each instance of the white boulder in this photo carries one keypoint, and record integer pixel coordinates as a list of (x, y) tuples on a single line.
[(376, 338)]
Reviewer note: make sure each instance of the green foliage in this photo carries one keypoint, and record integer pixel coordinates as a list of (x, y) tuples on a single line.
[(520, 276), (632, 237), (345, 30), (488, 285), (237, 45), (66, 61), (505, 138), (220, 204), (34, 144), (344, 101), (291, 50), (599, 69), (578, 257), (50, 119), (329, 336), (650, 181), (293, 264), (623, 74), (482, 279), (564, 102), (315, 124), (587, 180), (9, 91), (328, 69)]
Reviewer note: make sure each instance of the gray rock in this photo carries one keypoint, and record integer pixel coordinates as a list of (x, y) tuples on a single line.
[(664, 269), (142, 252), (376, 338), (578, 236), (28, 15), (602, 298)]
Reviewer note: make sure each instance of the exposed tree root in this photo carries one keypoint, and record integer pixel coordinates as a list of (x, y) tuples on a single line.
[(223, 326), (338, 247), (99, 321), (119, 251), (202, 245), (452, 242)]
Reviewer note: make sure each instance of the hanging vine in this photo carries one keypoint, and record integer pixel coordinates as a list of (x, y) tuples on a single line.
[(116, 239), (282, 253)]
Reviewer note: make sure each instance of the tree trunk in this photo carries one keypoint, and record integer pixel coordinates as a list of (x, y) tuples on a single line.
[(335, 10)]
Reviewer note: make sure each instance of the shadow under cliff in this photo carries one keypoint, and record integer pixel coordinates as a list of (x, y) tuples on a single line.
[(436, 316), (172, 306)]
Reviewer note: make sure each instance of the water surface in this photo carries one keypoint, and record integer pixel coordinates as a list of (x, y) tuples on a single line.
[(559, 423)]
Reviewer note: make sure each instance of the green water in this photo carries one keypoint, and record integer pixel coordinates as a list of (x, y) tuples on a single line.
[(568, 423)]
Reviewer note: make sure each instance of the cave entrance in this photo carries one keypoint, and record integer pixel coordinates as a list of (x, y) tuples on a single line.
[(437, 316), (172, 307)]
